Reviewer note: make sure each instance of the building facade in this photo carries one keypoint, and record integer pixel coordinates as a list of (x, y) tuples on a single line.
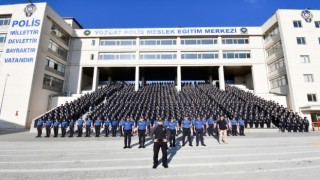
[(47, 59)]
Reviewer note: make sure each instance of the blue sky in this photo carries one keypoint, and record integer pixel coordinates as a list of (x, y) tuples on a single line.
[(171, 13)]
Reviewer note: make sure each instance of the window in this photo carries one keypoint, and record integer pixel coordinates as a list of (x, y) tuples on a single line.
[(92, 57), (162, 55), (297, 24), (0, 54), (58, 49), (308, 77), (55, 65), (93, 42), (317, 24), (52, 83), (117, 56), (312, 97), (274, 48), (271, 33), (301, 40), (159, 42), (202, 41), (236, 54), (3, 38), (304, 59), (117, 42), (235, 41), (4, 20), (59, 33), (199, 55), (278, 82), (276, 65)]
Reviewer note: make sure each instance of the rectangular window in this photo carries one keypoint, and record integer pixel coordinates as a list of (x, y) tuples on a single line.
[(312, 97), (236, 55), (117, 56), (274, 48), (162, 55), (276, 65), (199, 41), (92, 57), (52, 83), (235, 40), (55, 65), (60, 34), (308, 77), (5, 20), (273, 32), (3, 38), (118, 42), (278, 82), (317, 24), (301, 40), (304, 59), (199, 55), (158, 42), (297, 24), (58, 49), (93, 42)]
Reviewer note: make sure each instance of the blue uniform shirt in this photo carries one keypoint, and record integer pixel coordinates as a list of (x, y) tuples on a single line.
[(56, 124), (148, 123), (88, 122), (107, 123), (198, 124), (155, 123), (114, 123), (241, 122), (142, 125), (204, 122), (233, 122), (80, 122), (186, 123), (210, 121), (192, 121), (127, 125), (165, 123), (48, 123), (40, 123), (71, 123), (64, 124), (227, 121), (98, 122), (172, 125), (121, 122)]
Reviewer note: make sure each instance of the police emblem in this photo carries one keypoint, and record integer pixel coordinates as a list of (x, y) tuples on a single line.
[(307, 15), (30, 9), (244, 30), (87, 32)]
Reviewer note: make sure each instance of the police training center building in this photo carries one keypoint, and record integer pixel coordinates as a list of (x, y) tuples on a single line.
[(47, 60)]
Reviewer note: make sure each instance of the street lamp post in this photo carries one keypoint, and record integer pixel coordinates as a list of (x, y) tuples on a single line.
[(4, 90)]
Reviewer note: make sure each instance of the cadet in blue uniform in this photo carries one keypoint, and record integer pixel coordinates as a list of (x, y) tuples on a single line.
[(305, 124), (215, 126), (186, 125), (121, 126), (210, 124), (165, 123), (49, 126), (56, 125), (199, 129), (204, 122), (234, 125), (107, 126), (40, 125), (127, 130), (228, 126), (97, 126), (173, 131), (241, 124), (160, 141), (148, 126), (71, 127), (193, 119), (89, 125), (114, 124), (64, 126), (80, 127), (142, 132)]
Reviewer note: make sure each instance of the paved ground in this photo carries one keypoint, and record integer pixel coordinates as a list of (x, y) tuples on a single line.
[(258, 155)]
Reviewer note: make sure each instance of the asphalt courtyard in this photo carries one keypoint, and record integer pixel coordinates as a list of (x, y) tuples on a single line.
[(258, 155)]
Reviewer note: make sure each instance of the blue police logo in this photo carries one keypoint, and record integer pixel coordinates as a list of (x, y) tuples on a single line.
[(244, 30), (307, 15), (30, 9), (87, 32)]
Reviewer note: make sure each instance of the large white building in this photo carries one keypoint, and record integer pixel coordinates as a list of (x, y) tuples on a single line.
[(47, 59)]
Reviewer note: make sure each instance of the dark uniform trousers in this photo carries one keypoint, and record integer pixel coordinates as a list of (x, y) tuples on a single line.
[(241, 130), (63, 131), (48, 131), (156, 148), (142, 137), (80, 131), (186, 132), (268, 123), (210, 130), (148, 127), (306, 128), (251, 123), (71, 131), (88, 130), (127, 137), (172, 137), (294, 128), (261, 124), (39, 128), (55, 130), (121, 134), (234, 130), (199, 136), (97, 129), (107, 130), (246, 123), (114, 130), (256, 123), (205, 130)]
